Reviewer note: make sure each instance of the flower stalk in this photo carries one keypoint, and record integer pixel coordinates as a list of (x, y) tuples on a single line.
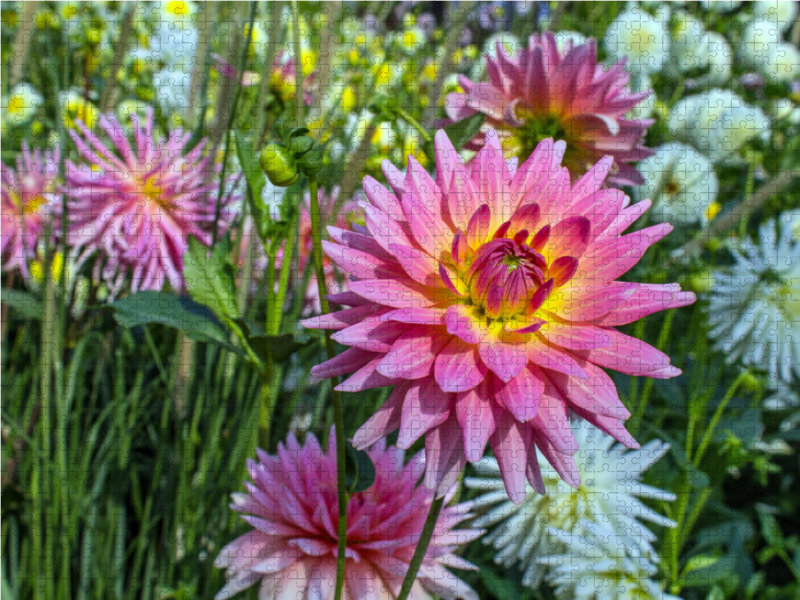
[(422, 548), (338, 414)]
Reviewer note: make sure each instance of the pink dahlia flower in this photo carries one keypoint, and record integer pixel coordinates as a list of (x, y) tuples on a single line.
[(28, 196), (540, 93), (489, 299), (139, 206), (292, 504)]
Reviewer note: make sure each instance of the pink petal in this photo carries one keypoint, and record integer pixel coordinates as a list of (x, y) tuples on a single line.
[(458, 368), (509, 449), (385, 420), (476, 419), (425, 407), (521, 395)]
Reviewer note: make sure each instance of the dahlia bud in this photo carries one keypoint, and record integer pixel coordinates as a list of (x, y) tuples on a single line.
[(278, 164)]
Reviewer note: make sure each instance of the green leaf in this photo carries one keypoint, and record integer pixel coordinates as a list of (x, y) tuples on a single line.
[(256, 180), (724, 568), (211, 278), (459, 133), (181, 312), (463, 131), (359, 470), (770, 529), (26, 303), (700, 562), (278, 347)]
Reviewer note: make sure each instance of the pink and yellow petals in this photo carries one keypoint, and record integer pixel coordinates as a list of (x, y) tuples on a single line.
[(488, 298)]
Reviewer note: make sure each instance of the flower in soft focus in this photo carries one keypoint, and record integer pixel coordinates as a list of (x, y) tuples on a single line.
[(20, 105), (542, 93), (598, 566), (718, 6), (282, 81), (608, 495), (681, 182), (704, 55), (488, 299), (717, 123), (783, 62), (782, 13), (292, 505), (735, 128), (29, 194), (761, 47), (640, 37), (783, 109), (74, 107), (139, 206), (755, 305)]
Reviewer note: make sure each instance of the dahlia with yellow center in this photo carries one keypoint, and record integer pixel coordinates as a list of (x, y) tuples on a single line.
[(541, 92), (29, 194), (136, 208), (489, 299)]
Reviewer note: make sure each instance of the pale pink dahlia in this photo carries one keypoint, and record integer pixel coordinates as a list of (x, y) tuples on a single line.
[(489, 299), (137, 207), (540, 93), (292, 504), (29, 194)]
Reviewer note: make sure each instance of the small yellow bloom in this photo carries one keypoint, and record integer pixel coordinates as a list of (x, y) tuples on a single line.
[(74, 107), (349, 99), (56, 267), (353, 57), (178, 8), (47, 19), (429, 72), (283, 87), (308, 59), (713, 210)]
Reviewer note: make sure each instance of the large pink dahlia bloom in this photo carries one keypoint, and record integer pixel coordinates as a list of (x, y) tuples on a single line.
[(139, 206), (28, 194), (292, 504), (489, 299), (541, 93)]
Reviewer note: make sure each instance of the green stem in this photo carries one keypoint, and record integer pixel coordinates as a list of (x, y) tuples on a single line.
[(701, 450), (648, 384), (422, 548), (298, 63), (338, 414), (414, 123)]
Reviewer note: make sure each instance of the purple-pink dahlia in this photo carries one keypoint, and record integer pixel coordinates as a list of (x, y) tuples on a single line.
[(137, 207), (292, 505), (29, 195), (542, 93), (489, 299)]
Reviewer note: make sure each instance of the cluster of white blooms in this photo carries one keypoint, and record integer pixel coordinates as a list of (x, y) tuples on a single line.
[(755, 305), (608, 496), (598, 565), (718, 123)]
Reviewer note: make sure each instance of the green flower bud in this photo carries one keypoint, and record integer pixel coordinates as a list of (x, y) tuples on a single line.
[(300, 145), (311, 162), (278, 164)]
